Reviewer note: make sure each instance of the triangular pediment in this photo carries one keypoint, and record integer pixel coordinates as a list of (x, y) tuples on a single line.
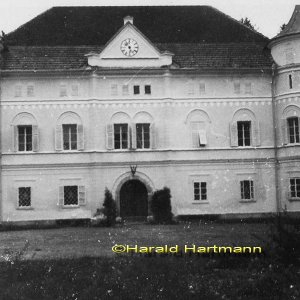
[(129, 48)]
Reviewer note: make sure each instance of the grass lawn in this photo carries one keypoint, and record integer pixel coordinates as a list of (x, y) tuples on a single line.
[(77, 263)]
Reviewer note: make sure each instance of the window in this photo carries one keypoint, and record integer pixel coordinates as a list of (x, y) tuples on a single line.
[(290, 81), (295, 188), (248, 88), (25, 138), (190, 88), (114, 89), (30, 91), (18, 91), (74, 90), (143, 135), (69, 136), (71, 195), (136, 89), (200, 191), (121, 136), (202, 88), (63, 90), (293, 125), (247, 191), (148, 89), (244, 128), (198, 134), (237, 88), (24, 197), (125, 90)]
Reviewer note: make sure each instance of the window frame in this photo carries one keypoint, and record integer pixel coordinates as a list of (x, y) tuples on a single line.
[(25, 207), (121, 125), (136, 90), (70, 137), (143, 135), (202, 185), (297, 192), (296, 135), (243, 123), (71, 205), (25, 138), (251, 190)]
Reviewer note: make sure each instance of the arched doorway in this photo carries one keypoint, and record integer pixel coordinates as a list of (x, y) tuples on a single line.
[(133, 199)]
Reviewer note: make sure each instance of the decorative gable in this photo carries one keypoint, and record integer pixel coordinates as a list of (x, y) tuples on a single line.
[(129, 48)]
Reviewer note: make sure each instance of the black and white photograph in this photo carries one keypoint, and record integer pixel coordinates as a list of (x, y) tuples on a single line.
[(149, 150)]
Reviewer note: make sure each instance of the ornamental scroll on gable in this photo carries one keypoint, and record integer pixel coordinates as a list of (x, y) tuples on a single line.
[(129, 48)]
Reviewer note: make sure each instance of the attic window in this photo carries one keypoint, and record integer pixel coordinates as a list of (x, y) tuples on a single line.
[(30, 91), (63, 90), (202, 88), (248, 88), (125, 90), (114, 89), (190, 88), (18, 91), (148, 89), (237, 88), (74, 90), (136, 89), (290, 81)]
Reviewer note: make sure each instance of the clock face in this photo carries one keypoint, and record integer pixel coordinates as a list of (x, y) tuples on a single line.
[(129, 47)]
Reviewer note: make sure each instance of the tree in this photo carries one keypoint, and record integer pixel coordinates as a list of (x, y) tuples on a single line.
[(109, 208), (282, 27), (161, 206), (247, 23)]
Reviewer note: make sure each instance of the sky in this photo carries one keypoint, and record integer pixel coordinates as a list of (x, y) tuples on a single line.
[(266, 15)]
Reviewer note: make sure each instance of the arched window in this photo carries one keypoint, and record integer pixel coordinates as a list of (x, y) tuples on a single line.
[(244, 129), (69, 133), (290, 125), (143, 131), (198, 122), (117, 132), (25, 133)]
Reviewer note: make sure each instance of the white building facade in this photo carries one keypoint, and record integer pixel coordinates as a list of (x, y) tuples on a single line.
[(135, 118)]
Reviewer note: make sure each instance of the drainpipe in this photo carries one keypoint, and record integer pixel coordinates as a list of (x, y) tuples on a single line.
[(275, 127)]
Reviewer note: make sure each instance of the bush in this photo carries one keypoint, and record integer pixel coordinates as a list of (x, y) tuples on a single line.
[(109, 208), (161, 206)]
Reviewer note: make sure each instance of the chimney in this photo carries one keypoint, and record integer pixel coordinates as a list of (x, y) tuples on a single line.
[(128, 19)]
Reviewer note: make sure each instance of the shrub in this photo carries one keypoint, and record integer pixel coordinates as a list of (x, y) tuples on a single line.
[(109, 208), (161, 206)]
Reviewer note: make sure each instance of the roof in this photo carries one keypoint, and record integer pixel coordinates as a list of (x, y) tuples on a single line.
[(66, 26), (293, 26), (187, 55)]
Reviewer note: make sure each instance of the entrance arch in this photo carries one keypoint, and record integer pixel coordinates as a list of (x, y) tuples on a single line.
[(139, 176), (133, 199)]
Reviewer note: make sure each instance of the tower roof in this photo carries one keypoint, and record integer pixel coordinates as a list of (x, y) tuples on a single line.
[(293, 26)]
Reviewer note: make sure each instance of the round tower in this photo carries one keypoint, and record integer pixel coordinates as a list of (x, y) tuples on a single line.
[(285, 50)]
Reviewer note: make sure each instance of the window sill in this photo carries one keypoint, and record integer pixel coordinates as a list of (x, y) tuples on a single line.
[(247, 201), (200, 202), (70, 206), (294, 199), (25, 208)]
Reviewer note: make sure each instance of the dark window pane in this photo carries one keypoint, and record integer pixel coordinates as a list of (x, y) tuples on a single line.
[(70, 136), (147, 89), (136, 89), (71, 195), (244, 136), (24, 196), (25, 138)]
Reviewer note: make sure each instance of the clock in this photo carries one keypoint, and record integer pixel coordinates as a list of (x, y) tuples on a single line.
[(129, 47)]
